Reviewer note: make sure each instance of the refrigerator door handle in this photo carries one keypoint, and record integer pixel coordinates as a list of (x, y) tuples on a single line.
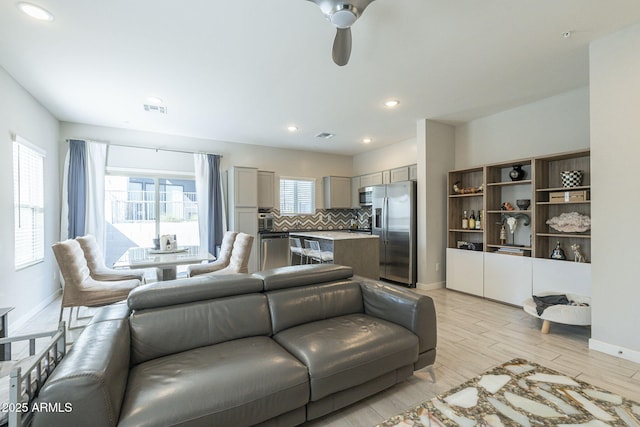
[(385, 219)]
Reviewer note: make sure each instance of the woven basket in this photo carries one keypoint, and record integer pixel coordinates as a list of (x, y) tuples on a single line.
[(571, 178)]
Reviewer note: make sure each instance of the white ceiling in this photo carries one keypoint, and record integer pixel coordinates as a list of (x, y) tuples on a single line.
[(243, 70)]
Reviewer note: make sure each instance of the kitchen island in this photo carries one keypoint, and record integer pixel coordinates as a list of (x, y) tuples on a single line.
[(357, 250)]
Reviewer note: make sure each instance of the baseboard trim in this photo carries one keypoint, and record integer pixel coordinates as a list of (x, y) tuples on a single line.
[(614, 350), (22, 320), (430, 286)]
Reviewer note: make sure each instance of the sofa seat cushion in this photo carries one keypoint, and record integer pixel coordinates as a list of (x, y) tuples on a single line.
[(349, 350), (240, 382)]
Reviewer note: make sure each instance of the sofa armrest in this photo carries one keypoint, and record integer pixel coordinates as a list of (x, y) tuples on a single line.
[(88, 385), (403, 307)]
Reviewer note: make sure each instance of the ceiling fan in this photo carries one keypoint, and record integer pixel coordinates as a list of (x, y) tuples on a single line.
[(342, 14)]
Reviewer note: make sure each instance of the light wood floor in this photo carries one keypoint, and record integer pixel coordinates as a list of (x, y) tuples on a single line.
[(474, 335)]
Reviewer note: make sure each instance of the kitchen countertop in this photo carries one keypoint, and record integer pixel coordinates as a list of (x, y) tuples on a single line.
[(332, 235)]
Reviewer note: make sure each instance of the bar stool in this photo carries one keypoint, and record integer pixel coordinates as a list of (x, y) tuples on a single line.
[(316, 254), (296, 249)]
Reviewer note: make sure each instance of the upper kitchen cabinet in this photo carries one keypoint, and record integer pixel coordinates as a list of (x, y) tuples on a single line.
[(413, 172), (337, 192), (400, 174), (266, 189), (386, 177), (371, 179), (243, 187), (355, 194)]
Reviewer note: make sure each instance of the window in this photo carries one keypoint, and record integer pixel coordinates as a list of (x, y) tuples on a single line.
[(297, 196), (140, 208), (28, 200)]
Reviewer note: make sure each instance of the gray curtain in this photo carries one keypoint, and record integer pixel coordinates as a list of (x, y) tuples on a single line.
[(215, 216), (77, 188)]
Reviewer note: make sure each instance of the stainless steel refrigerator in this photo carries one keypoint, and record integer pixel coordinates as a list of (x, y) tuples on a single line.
[(393, 211)]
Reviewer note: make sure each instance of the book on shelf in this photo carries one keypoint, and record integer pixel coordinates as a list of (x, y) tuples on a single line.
[(511, 251)]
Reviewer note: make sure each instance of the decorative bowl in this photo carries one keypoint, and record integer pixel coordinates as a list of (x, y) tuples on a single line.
[(523, 204)]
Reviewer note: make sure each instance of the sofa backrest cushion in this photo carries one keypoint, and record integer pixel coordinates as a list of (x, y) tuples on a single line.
[(199, 288), (167, 330), (302, 275), (90, 381), (296, 306), (115, 311)]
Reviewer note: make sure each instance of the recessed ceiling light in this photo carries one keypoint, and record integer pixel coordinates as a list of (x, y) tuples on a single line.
[(391, 103), (155, 100), (367, 140), (36, 12), (292, 128)]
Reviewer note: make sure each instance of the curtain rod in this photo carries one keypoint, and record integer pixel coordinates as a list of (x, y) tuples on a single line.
[(145, 148)]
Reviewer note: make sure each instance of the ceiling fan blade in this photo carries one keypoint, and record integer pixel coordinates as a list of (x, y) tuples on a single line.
[(342, 46)]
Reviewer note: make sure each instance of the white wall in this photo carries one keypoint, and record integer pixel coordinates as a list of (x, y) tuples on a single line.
[(435, 157), (392, 156), (552, 125), (284, 162), (28, 289), (615, 150)]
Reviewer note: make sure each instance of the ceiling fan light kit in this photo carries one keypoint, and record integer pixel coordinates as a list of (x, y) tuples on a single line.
[(342, 14)]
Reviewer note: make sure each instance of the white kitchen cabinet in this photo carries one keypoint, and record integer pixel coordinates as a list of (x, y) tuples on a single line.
[(507, 278), (386, 177), (465, 270), (243, 207), (243, 187), (371, 179), (550, 275), (266, 189), (400, 174), (337, 192), (355, 194), (413, 172)]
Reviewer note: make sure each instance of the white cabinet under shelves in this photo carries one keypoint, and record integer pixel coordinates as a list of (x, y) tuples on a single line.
[(507, 278), (550, 275), (465, 271), (266, 189)]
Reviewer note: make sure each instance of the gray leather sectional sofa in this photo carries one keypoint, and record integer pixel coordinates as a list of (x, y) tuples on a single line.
[(274, 349)]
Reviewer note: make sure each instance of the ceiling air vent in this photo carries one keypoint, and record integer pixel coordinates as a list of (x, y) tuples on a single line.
[(325, 135), (155, 109)]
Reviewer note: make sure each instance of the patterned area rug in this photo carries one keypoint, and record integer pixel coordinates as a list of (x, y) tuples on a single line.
[(522, 393)]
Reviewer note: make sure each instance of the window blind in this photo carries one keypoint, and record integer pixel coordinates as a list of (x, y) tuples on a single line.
[(297, 196), (28, 196)]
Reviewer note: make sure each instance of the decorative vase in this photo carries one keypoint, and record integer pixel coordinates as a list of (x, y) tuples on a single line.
[(516, 174), (523, 204), (558, 253), (571, 178)]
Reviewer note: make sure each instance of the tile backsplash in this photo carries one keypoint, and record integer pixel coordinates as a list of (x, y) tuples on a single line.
[(323, 219)]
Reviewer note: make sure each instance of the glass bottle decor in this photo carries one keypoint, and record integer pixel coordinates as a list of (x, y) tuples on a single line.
[(516, 174)]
